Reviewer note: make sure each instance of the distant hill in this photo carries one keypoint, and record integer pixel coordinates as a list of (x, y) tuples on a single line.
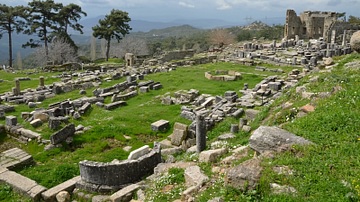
[(141, 28)]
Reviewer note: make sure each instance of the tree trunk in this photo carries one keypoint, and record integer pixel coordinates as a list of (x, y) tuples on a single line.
[(107, 50), (46, 43), (10, 46)]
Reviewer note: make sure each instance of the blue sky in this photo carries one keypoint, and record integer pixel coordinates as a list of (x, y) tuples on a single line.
[(229, 10)]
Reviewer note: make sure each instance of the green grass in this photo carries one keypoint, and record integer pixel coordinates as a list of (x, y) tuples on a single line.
[(328, 171), (105, 140), (7, 194)]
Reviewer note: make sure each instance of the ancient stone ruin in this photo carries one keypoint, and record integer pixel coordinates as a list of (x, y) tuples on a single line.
[(316, 24), (107, 177)]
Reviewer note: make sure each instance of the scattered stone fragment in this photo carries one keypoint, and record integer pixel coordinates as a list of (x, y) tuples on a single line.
[(211, 155), (245, 176), (194, 176), (161, 125), (271, 138)]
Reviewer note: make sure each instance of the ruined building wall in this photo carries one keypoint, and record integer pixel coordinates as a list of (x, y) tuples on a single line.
[(313, 25), (104, 177)]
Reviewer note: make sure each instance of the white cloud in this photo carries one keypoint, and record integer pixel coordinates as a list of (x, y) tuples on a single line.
[(223, 5), (184, 4)]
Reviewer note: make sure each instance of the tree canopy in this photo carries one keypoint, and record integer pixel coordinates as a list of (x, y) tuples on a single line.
[(113, 26), (11, 19)]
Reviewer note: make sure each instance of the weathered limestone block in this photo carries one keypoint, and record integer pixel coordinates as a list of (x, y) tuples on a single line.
[(355, 41), (245, 176), (36, 123), (83, 109), (156, 86), (28, 133), (139, 152), (15, 158), (282, 189), (194, 176), (69, 185), (63, 196), (62, 134), (251, 114), (107, 177), (55, 122), (44, 117), (179, 134), (2, 130), (238, 113), (11, 120), (2, 114), (124, 194), (114, 105), (267, 138), (161, 125), (144, 89), (211, 155), (22, 184)]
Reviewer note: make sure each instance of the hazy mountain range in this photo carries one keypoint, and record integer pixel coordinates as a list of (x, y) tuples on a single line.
[(138, 26)]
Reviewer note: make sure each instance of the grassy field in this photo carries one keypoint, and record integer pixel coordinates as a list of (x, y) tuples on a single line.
[(327, 171), (105, 140)]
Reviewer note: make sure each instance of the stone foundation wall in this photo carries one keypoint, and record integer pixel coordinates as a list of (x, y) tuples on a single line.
[(113, 175)]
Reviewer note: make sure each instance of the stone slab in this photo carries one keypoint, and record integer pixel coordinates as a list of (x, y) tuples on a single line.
[(161, 125), (69, 185), (124, 194), (139, 152), (15, 158), (22, 184)]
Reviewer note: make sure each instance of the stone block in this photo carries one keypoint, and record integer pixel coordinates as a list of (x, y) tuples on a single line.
[(15, 158), (194, 176), (251, 114), (11, 120), (139, 152), (124, 194), (267, 138), (245, 176), (144, 89), (238, 113), (28, 133), (22, 184), (114, 105), (42, 116), (36, 123), (69, 185), (2, 114), (211, 155), (161, 125), (83, 109), (180, 126), (157, 86), (178, 136), (62, 134)]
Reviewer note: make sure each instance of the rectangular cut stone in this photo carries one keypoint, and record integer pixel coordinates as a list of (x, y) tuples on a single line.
[(139, 152), (68, 185), (124, 194), (144, 89), (157, 86), (62, 134), (84, 108), (180, 126), (11, 120), (114, 105), (22, 184), (178, 136), (161, 125)]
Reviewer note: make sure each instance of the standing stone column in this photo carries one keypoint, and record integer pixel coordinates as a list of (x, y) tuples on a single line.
[(41, 83), (17, 87), (200, 133), (344, 38)]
